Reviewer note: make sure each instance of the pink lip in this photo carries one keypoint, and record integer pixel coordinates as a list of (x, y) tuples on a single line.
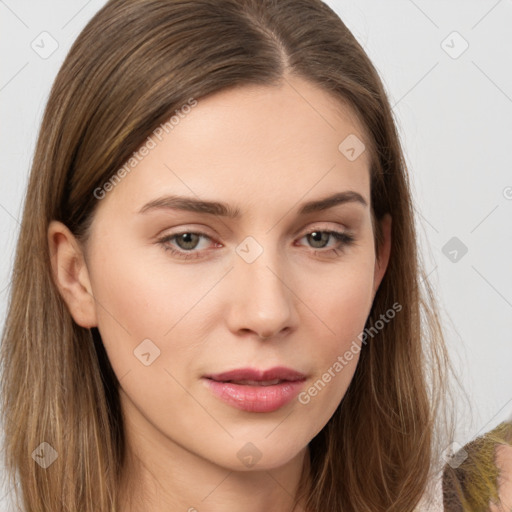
[(256, 398)]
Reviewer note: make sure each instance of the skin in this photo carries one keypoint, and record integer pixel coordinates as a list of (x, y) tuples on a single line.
[(265, 150), (504, 463)]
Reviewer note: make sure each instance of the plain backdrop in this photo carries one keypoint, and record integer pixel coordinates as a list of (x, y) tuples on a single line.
[(447, 68)]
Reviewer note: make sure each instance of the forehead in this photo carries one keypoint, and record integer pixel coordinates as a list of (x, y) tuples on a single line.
[(254, 143)]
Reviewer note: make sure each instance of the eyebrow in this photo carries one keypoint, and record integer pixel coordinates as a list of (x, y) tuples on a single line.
[(225, 210)]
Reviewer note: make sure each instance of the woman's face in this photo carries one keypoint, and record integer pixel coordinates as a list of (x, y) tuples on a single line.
[(184, 291)]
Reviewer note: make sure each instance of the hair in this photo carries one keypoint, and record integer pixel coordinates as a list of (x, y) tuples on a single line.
[(131, 67), (473, 484)]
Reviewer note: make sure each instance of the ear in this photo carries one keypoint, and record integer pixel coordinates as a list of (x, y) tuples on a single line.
[(382, 259), (70, 274)]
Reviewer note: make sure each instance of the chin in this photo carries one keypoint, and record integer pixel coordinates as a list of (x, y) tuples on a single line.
[(257, 456)]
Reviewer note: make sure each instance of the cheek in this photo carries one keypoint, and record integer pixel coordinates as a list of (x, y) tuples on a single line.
[(342, 304), (342, 299), (137, 301), (146, 324)]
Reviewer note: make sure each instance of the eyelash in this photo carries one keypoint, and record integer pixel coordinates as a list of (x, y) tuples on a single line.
[(344, 240)]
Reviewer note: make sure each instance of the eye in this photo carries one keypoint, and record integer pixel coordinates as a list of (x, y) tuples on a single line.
[(185, 244), (319, 238)]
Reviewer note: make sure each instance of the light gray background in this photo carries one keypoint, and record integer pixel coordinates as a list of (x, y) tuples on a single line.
[(454, 114)]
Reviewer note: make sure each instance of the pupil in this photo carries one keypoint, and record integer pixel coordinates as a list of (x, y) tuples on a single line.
[(318, 236), (187, 239)]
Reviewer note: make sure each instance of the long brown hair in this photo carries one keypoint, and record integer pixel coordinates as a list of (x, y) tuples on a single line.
[(133, 65)]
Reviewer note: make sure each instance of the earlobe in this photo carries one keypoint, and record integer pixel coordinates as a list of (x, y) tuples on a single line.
[(71, 275), (382, 259)]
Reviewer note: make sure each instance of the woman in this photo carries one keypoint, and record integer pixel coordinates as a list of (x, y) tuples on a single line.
[(218, 268)]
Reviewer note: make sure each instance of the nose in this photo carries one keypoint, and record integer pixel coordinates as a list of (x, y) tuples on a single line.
[(262, 300)]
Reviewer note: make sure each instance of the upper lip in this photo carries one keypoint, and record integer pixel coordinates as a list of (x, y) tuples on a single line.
[(278, 372)]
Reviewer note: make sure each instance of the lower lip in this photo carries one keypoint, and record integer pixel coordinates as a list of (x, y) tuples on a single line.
[(256, 398)]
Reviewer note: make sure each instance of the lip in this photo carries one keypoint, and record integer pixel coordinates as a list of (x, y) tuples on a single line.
[(256, 398), (278, 372)]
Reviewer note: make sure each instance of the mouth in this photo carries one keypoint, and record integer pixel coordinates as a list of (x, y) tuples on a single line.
[(253, 376), (253, 382), (255, 390)]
